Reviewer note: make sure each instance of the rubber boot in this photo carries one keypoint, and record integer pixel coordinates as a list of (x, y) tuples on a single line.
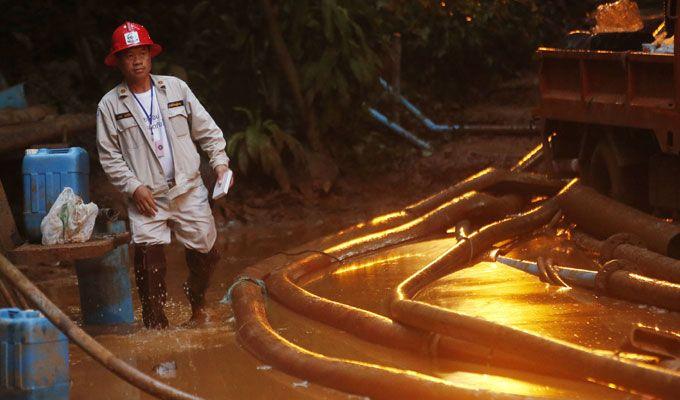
[(201, 267), (150, 271)]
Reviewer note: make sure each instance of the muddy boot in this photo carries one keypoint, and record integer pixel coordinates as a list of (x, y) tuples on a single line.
[(201, 267), (150, 277)]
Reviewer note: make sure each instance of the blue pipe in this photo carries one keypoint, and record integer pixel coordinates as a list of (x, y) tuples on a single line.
[(579, 277), (378, 116), (419, 114)]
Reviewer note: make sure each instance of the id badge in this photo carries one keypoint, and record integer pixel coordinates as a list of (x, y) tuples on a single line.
[(160, 149)]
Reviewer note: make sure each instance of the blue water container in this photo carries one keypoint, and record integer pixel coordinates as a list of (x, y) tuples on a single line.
[(34, 362), (14, 97), (104, 285), (46, 173)]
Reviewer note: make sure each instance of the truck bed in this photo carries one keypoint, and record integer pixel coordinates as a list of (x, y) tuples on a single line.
[(626, 89)]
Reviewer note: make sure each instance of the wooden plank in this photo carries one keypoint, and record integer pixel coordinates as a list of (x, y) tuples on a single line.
[(9, 235), (37, 253)]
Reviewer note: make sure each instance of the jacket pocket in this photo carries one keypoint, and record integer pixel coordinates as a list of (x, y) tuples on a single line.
[(180, 121), (129, 133)]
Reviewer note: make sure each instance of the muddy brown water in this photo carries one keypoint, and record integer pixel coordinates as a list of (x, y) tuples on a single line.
[(210, 363)]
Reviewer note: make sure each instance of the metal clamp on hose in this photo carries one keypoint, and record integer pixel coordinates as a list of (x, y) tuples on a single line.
[(619, 279), (609, 246), (608, 269), (259, 282)]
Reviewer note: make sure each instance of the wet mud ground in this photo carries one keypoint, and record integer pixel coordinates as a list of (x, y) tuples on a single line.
[(209, 362)]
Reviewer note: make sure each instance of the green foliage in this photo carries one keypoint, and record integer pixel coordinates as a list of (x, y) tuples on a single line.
[(455, 46), (337, 45), (263, 146), (336, 62)]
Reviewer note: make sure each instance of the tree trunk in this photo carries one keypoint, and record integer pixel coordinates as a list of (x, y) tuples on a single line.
[(12, 116), (292, 76), (18, 137)]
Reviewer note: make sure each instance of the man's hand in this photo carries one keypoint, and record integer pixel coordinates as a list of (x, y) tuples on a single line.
[(221, 170), (144, 201)]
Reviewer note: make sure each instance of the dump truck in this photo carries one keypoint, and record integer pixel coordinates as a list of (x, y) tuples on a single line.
[(613, 117)]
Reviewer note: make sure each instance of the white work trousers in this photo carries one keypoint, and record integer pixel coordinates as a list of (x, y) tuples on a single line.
[(188, 215)]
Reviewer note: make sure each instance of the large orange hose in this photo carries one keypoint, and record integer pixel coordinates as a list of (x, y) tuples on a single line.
[(476, 182), (375, 328), (282, 285), (376, 382), (644, 261), (577, 359), (602, 217), (516, 180), (349, 376), (359, 378), (472, 205)]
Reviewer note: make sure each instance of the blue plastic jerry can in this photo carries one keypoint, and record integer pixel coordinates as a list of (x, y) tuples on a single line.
[(13, 97), (46, 172), (34, 360), (104, 285)]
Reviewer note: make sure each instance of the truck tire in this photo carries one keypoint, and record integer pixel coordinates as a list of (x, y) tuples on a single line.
[(625, 184)]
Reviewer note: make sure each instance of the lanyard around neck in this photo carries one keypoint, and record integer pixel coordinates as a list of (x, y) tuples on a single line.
[(148, 115)]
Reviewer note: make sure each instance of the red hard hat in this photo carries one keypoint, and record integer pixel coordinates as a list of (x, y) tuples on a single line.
[(130, 35)]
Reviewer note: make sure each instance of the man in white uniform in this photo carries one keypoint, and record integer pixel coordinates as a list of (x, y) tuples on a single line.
[(146, 129)]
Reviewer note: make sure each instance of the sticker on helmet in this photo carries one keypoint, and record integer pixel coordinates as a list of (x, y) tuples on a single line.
[(131, 38)]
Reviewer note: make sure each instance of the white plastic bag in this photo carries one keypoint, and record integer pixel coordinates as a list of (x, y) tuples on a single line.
[(69, 220)]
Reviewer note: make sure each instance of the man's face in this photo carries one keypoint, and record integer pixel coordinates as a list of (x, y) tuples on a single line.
[(135, 63)]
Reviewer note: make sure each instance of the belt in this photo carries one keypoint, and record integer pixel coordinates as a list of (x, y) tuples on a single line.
[(171, 183)]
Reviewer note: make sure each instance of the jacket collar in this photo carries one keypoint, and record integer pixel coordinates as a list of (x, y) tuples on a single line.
[(123, 89)]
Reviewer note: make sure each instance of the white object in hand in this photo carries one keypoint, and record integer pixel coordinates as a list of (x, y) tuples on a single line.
[(222, 187)]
